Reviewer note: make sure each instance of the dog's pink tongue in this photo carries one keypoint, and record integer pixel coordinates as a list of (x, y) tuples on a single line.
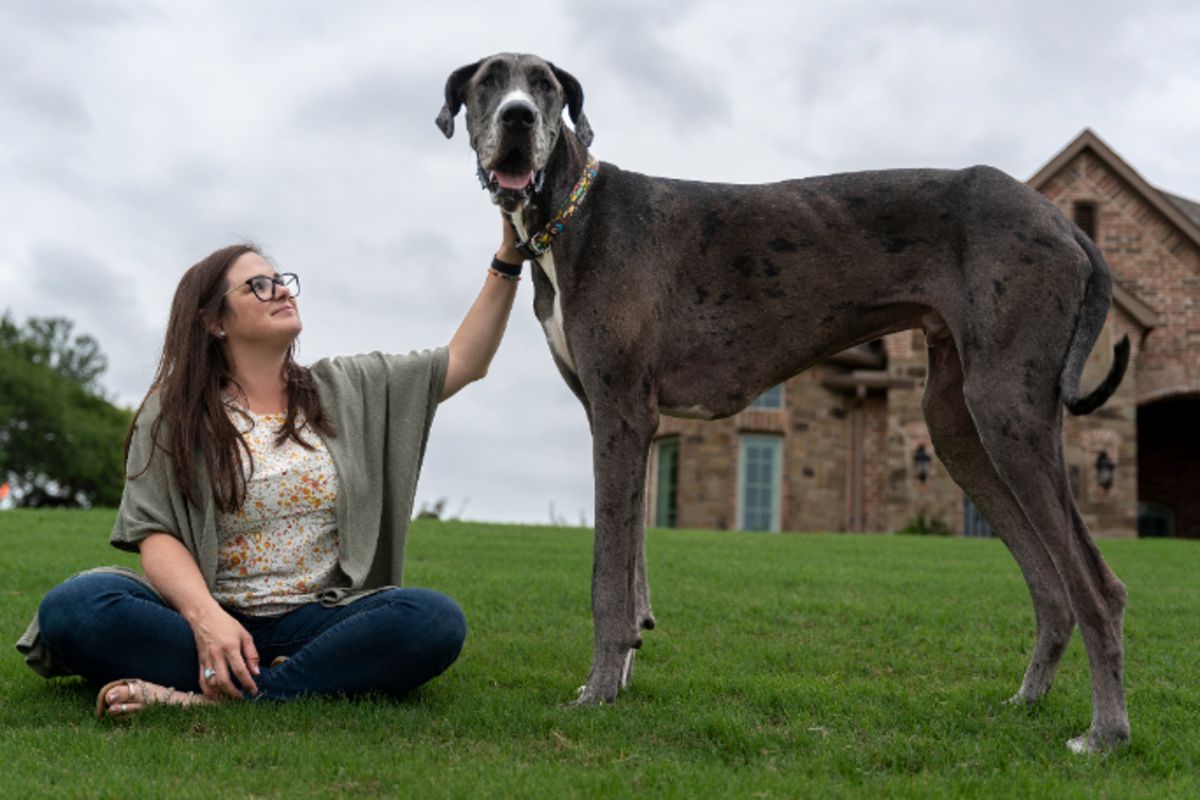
[(513, 180)]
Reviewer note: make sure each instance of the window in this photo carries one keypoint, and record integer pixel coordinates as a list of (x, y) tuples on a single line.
[(771, 398), (666, 484), (759, 482), (1085, 218)]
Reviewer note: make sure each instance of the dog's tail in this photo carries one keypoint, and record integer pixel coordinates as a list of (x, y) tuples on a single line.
[(1096, 300)]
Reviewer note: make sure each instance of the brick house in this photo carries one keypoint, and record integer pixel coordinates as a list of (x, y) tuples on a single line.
[(844, 447)]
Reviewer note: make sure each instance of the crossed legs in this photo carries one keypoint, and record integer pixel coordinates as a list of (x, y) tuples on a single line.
[(111, 628)]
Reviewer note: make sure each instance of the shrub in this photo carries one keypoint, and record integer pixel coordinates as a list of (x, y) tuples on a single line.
[(927, 526)]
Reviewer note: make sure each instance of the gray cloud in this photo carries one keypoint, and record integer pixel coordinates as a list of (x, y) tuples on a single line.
[(68, 281), (47, 105), (634, 43), (380, 102), (59, 17), (960, 81)]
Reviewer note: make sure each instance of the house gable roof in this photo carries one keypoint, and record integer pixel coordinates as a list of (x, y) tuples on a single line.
[(1184, 214)]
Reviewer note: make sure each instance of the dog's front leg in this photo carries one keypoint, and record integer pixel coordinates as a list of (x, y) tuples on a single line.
[(620, 443)]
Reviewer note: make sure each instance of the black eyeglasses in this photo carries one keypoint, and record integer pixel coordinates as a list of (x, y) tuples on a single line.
[(263, 286)]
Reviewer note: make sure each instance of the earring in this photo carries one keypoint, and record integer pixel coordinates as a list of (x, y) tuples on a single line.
[(220, 334)]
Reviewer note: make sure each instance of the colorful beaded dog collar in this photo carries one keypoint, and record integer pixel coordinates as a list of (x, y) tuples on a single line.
[(540, 242)]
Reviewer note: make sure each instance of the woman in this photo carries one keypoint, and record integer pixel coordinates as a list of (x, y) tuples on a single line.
[(269, 503)]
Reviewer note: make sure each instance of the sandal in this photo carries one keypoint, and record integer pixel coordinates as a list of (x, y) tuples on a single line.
[(142, 694)]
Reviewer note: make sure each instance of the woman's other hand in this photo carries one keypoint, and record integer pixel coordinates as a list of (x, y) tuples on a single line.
[(227, 649), (223, 645)]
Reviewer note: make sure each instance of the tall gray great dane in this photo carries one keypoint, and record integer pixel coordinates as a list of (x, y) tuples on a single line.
[(675, 297)]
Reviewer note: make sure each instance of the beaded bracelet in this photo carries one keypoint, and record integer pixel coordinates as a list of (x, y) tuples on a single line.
[(500, 274), (513, 270), (502, 269)]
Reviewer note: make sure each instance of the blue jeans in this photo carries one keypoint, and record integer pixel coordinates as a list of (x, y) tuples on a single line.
[(107, 627)]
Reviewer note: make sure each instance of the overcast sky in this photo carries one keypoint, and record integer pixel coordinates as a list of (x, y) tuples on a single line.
[(137, 136)]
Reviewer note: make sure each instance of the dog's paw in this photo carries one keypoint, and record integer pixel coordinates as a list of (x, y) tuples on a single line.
[(1091, 743), (588, 699), (612, 668), (595, 693)]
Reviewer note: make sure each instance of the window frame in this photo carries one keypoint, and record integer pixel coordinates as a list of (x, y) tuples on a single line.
[(778, 403), (666, 443), (746, 441)]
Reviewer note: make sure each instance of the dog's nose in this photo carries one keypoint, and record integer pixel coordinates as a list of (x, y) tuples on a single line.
[(518, 114)]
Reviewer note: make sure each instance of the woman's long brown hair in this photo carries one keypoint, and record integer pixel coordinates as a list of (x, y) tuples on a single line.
[(193, 371)]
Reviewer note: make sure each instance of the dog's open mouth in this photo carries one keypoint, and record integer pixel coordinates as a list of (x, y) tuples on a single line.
[(513, 181), (513, 176)]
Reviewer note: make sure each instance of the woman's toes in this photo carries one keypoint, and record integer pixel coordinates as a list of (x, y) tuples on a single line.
[(129, 697), (122, 709)]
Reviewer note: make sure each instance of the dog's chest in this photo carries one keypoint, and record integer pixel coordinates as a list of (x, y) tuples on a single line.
[(552, 325)]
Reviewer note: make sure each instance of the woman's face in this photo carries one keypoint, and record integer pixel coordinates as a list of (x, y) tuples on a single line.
[(250, 320)]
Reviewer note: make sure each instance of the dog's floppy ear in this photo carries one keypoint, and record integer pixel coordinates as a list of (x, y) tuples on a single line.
[(574, 94), (454, 97)]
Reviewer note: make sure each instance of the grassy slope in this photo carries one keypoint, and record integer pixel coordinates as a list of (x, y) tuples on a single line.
[(782, 665)]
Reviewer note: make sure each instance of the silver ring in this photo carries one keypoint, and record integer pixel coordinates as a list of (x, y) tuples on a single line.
[(210, 675), (122, 708)]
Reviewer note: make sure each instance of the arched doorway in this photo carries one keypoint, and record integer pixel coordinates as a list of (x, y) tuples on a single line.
[(1169, 467)]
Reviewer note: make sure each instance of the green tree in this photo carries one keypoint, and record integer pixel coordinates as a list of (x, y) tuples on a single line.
[(61, 439), (46, 341)]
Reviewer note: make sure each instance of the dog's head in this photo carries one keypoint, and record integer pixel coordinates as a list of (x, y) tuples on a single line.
[(514, 107)]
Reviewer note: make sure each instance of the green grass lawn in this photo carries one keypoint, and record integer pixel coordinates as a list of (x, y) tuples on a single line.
[(783, 666)]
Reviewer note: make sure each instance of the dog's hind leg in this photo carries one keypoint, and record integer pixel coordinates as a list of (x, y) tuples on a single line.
[(957, 444), (1022, 433), (621, 433)]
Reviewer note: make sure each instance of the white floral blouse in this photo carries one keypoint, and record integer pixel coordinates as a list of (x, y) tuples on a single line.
[(280, 549)]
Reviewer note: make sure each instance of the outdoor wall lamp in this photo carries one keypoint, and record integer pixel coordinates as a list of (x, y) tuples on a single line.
[(1104, 470), (921, 461)]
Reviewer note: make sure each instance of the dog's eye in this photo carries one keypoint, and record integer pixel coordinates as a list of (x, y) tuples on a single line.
[(545, 85), (489, 81)]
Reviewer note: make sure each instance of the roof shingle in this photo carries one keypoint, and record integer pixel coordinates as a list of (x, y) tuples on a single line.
[(1189, 207)]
